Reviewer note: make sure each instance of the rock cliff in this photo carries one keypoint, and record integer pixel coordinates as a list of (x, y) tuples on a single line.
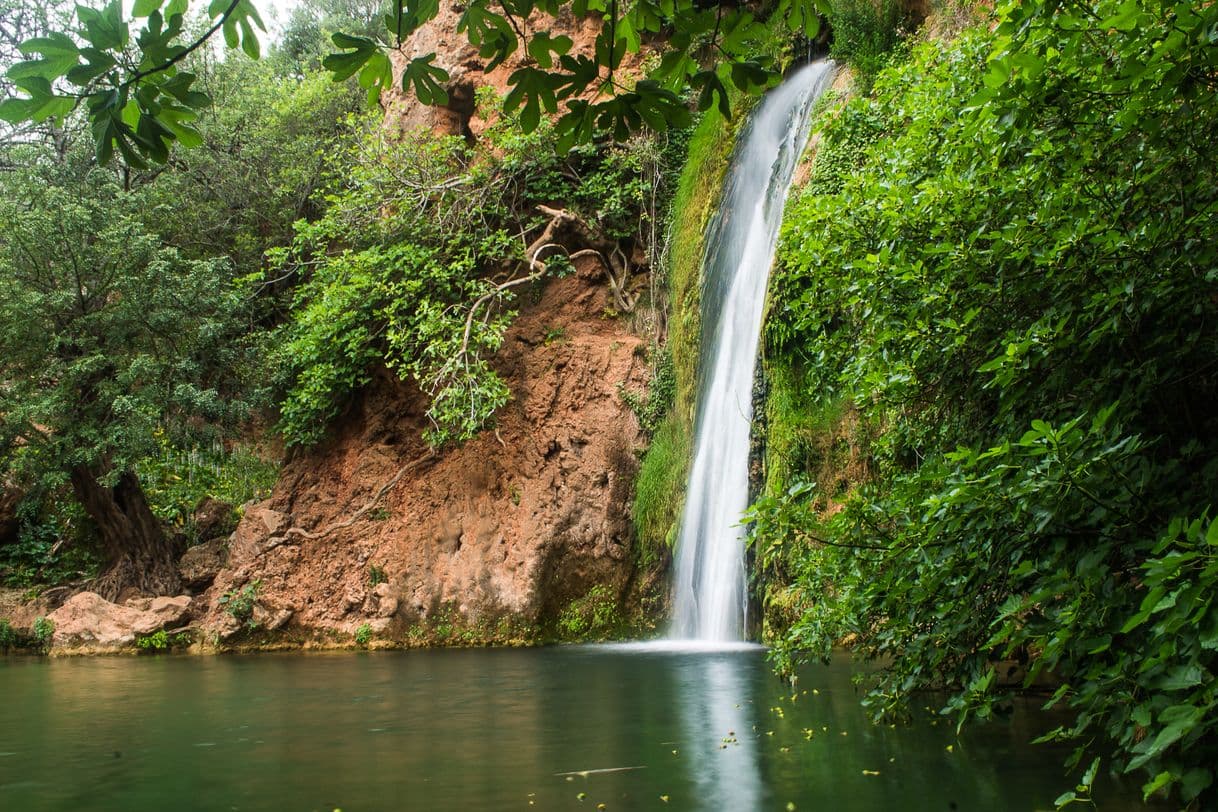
[(495, 536)]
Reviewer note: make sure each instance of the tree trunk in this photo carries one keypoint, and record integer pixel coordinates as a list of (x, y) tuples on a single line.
[(139, 556)]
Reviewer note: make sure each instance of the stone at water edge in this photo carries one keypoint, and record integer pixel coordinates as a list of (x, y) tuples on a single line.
[(89, 621)]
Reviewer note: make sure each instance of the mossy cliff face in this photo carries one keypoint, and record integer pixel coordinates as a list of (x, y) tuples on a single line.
[(661, 483)]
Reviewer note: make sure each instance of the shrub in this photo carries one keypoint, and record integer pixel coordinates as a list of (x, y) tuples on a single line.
[(8, 635), (239, 603), (42, 630), (157, 641), (1015, 285), (865, 32), (593, 615), (363, 634)]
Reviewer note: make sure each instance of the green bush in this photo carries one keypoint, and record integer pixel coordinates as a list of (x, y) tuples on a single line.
[(54, 544), (594, 615), (1014, 286), (651, 407), (157, 641), (865, 34), (363, 635), (42, 630), (239, 603), (176, 480), (407, 267), (8, 635)]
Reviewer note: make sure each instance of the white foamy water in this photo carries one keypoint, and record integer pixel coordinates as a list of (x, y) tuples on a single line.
[(710, 599)]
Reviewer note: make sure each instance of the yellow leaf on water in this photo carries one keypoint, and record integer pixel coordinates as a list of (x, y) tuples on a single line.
[(664, 798), (871, 772), (949, 748)]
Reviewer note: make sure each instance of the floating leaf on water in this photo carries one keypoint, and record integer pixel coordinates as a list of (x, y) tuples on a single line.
[(582, 795), (664, 798), (949, 748), (871, 772)]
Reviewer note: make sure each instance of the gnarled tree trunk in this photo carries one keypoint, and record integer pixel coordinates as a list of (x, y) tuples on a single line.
[(139, 556)]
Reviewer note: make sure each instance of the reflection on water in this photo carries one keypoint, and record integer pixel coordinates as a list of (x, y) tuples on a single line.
[(555, 728), (709, 690)]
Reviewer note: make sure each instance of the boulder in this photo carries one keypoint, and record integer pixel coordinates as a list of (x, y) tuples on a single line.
[(199, 564), (383, 601), (213, 518), (273, 522), (270, 618), (88, 622)]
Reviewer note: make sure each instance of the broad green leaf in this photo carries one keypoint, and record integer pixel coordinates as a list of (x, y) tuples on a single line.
[(105, 28), (143, 8), (427, 80)]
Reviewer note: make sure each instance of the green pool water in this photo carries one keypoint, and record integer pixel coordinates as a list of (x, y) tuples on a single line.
[(550, 728)]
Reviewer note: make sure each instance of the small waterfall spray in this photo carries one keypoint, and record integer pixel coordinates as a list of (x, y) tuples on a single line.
[(711, 598)]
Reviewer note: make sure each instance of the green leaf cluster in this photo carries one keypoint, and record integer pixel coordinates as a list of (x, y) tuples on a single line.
[(418, 258), (106, 334), (866, 35), (138, 99), (1009, 274)]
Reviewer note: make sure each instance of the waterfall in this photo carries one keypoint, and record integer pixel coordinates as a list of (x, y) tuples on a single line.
[(711, 599)]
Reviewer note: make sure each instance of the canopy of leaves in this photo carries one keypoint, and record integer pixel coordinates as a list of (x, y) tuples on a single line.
[(139, 100), (105, 333), (1008, 266)]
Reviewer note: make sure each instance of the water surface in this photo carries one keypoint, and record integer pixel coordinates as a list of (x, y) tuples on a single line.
[(489, 729)]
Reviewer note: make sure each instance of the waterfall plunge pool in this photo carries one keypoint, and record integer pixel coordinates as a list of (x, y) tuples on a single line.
[(568, 727)]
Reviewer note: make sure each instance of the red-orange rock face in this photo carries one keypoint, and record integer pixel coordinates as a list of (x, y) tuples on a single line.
[(514, 524)]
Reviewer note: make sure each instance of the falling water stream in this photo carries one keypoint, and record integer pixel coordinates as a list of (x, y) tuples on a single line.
[(710, 601)]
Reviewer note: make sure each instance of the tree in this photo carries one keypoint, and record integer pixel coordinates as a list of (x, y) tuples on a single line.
[(306, 34), (139, 100), (106, 337)]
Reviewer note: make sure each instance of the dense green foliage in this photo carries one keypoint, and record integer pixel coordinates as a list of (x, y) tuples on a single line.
[(1014, 287), (177, 480), (105, 333), (263, 158), (419, 255), (130, 340), (139, 99), (865, 34)]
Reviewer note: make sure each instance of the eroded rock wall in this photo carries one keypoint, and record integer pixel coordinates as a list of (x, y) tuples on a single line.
[(508, 528)]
